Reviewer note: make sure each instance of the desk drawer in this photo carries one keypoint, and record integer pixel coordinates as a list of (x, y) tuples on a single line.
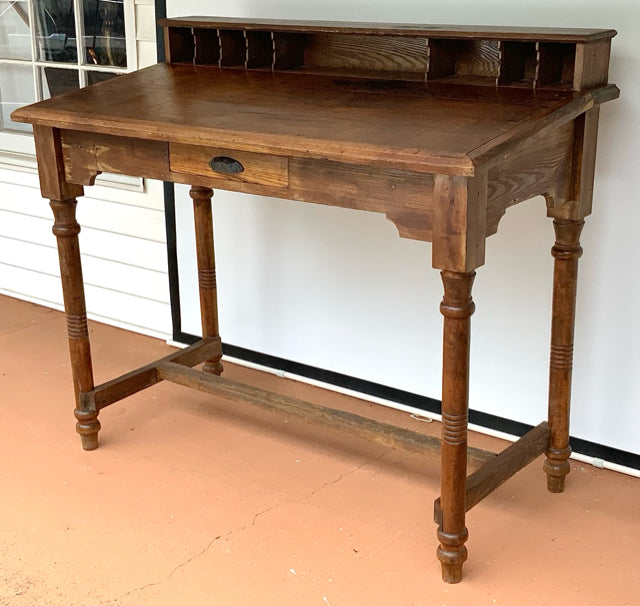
[(229, 164)]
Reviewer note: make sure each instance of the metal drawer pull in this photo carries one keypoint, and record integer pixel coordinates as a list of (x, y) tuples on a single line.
[(225, 165)]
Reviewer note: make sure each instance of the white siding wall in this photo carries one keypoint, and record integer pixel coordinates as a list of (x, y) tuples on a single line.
[(122, 239)]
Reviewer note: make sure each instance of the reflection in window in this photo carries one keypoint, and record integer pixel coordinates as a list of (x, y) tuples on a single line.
[(95, 77), (103, 38), (57, 80), (55, 30), (15, 35)]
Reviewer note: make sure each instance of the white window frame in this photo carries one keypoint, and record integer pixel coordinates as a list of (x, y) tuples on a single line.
[(17, 150)]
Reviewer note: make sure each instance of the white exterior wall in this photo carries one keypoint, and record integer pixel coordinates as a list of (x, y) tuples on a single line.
[(338, 289), (122, 239)]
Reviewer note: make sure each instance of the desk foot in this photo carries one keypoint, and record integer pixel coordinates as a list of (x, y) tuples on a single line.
[(557, 468), (452, 554), (88, 427), (555, 484), (215, 368)]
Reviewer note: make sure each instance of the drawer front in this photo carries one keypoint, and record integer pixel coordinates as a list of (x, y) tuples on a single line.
[(229, 164)]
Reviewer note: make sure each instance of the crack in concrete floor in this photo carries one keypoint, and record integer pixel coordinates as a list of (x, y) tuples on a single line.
[(233, 531)]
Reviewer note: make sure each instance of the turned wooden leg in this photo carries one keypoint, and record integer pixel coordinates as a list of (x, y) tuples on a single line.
[(66, 230), (206, 269), (457, 308), (566, 253)]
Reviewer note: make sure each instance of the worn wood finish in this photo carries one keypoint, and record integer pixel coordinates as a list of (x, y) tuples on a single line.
[(497, 471), (479, 56), (541, 165), (592, 64), (272, 113), (132, 382), (261, 169), (405, 197), (566, 252), (375, 53), (357, 425), (207, 282), (586, 138), (488, 154), (568, 222), (457, 308), (85, 156), (577, 202), (460, 222), (66, 229), (49, 153), (441, 128)]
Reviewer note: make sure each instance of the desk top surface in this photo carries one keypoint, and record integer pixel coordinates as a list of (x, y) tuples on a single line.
[(426, 127)]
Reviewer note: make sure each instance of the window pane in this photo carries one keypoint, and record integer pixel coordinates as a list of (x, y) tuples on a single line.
[(16, 90), (55, 30), (15, 40), (57, 80), (104, 39), (95, 77)]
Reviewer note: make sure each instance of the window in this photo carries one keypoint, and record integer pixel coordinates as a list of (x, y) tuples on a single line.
[(48, 47)]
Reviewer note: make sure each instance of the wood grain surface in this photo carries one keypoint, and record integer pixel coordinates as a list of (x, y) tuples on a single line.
[(406, 125), (258, 168)]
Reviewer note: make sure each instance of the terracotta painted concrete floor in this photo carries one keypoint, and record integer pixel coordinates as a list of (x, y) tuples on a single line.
[(193, 500)]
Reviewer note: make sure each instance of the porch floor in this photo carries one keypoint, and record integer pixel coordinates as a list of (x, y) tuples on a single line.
[(194, 500)]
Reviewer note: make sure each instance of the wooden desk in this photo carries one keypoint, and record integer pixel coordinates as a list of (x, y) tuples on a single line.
[(441, 128)]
